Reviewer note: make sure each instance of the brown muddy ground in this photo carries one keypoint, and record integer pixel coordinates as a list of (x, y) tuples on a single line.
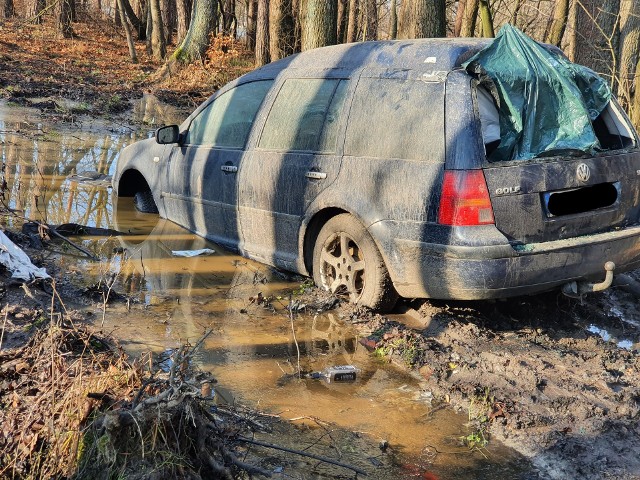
[(532, 374)]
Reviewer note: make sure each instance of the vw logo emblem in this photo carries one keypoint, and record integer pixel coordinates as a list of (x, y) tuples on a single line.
[(582, 172)]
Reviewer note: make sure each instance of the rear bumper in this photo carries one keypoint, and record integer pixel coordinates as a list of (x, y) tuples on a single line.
[(421, 269)]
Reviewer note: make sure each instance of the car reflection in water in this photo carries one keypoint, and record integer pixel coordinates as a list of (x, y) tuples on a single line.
[(214, 291)]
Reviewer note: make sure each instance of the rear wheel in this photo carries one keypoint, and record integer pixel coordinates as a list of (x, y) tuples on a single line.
[(144, 202), (347, 262)]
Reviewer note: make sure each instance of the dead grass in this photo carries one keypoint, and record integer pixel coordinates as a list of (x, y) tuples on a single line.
[(44, 403)]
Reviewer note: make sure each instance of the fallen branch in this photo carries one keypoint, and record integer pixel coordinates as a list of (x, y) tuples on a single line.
[(74, 245), (304, 454)]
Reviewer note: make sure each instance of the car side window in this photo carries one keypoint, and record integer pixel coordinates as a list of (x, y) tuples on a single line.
[(397, 118), (227, 121), (305, 116)]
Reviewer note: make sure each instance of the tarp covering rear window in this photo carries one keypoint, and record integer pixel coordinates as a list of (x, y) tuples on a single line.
[(546, 103)]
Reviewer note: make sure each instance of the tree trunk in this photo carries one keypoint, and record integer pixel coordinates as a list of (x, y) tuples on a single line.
[(352, 24), (252, 11), (168, 9), (628, 50), (468, 26), (342, 21), (127, 31), (422, 19), (393, 20), (7, 10), (558, 23), (158, 42), (63, 15), (229, 22), (34, 10), (516, 12), (487, 19), (457, 27), (196, 40), (281, 34), (319, 23), (149, 27), (370, 20), (635, 106), (183, 18), (262, 33), (296, 10), (115, 12), (595, 35), (138, 24)]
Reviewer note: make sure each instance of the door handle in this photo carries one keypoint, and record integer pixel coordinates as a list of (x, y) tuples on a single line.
[(315, 175), (229, 168)]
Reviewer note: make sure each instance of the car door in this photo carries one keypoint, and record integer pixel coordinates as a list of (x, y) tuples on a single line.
[(202, 172), (297, 156)]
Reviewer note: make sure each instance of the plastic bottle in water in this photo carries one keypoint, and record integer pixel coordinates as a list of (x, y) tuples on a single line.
[(338, 373)]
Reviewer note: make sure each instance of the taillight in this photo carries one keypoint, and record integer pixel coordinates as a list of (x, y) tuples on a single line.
[(465, 199)]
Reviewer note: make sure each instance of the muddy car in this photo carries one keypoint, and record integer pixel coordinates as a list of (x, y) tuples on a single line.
[(371, 167)]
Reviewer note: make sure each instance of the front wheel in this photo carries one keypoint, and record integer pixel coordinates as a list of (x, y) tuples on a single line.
[(347, 262), (144, 202)]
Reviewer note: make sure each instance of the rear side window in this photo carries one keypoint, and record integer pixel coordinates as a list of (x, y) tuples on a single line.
[(396, 118), (226, 122), (305, 116)]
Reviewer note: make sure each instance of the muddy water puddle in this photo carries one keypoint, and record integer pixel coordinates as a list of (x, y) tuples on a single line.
[(255, 346)]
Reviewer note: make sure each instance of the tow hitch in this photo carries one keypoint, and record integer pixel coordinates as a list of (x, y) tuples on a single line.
[(577, 289)]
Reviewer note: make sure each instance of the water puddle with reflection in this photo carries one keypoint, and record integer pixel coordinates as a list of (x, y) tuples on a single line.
[(254, 348)]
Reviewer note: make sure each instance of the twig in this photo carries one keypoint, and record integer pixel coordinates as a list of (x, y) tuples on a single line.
[(293, 331), (74, 245), (4, 325), (250, 469), (304, 454)]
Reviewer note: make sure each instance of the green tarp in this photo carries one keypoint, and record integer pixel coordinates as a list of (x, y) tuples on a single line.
[(546, 103)]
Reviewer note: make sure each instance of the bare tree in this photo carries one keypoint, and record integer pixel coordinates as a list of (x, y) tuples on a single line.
[(183, 18), (393, 20), (262, 33), (281, 33), (252, 12), (422, 19), (628, 50), (319, 23), (35, 9), (469, 17), (352, 23), (158, 41), (7, 9), (558, 23), (487, 19), (127, 31), (196, 40), (343, 15), (635, 105), (64, 16), (138, 23), (594, 35), (229, 21), (370, 20)]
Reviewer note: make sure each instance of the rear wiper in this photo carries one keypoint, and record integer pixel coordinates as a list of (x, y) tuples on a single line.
[(563, 152)]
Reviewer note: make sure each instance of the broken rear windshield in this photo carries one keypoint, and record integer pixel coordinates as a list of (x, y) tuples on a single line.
[(543, 104)]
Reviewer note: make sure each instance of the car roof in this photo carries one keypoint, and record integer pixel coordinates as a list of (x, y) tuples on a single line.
[(425, 54)]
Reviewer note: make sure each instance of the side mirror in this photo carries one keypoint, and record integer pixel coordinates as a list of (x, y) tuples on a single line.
[(167, 135)]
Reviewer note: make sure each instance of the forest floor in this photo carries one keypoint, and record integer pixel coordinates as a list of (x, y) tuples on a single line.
[(557, 379)]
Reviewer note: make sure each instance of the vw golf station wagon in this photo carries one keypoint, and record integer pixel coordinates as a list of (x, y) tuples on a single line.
[(395, 168)]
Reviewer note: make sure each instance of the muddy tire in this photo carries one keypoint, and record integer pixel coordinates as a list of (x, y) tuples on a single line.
[(144, 202), (347, 262)]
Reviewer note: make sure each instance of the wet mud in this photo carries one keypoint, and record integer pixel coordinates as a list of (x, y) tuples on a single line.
[(530, 388)]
